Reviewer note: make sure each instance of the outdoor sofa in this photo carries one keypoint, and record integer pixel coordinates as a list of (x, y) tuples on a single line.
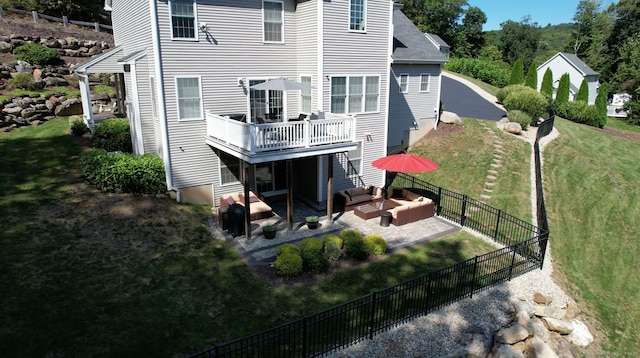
[(410, 206), (258, 208), (347, 200)]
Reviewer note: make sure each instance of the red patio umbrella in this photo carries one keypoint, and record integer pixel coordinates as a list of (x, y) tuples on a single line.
[(405, 163)]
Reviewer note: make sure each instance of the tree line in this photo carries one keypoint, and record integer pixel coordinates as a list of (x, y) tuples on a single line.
[(605, 38)]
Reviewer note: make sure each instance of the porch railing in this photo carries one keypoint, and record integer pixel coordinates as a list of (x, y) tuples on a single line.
[(256, 138)]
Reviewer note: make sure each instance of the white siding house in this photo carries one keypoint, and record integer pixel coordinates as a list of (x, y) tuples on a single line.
[(189, 67), (562, 63)]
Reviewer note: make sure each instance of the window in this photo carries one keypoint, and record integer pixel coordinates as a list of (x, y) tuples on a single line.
[(183, 19), (404, 83), (154, 98), (305, 95), (189, 98), (425, 79), (229, 169), (357, 15), (272, 15), (265, 104), (355, 94), (354, 165)]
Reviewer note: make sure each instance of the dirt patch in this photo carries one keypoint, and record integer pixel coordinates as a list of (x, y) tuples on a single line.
[(26, 27), (634, 137), (443, 130)]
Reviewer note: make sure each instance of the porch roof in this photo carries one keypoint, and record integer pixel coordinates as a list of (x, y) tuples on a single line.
[(106, 62)]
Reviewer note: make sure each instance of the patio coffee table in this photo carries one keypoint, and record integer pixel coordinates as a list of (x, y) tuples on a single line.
[(373, 210)]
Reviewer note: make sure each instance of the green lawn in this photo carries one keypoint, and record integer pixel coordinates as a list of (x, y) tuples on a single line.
[(83, 273), (617, 123), (593, 200)]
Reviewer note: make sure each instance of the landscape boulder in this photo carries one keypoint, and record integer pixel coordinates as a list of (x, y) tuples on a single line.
[(513, 128), (69, 107), (450, 118), (580, 335)]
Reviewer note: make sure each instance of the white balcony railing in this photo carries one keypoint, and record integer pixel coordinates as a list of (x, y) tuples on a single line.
[(257, 138)]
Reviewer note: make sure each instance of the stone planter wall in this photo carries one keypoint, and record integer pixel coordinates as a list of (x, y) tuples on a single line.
[(68, 46)]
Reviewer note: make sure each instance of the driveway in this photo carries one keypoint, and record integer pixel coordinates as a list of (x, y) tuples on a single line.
[(468, 100)]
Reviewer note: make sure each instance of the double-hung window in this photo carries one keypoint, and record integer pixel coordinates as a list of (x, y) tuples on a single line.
[(189, 98), (355, 94), (229, 169), (183, 19), (425, 80), (272, 17), (357, 15), (305, 95), (354, 165), (403, 82)]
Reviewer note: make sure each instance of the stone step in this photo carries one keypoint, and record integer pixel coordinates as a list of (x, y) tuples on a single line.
[(496, 165), (488, 190), (484, 196), (490, 184), (492, 177), (493, 171)]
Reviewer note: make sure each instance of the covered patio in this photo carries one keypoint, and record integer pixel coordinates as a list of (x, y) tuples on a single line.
[(259, 250)]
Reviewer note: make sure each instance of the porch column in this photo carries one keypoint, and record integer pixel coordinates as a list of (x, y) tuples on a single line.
[(247, 200), (289, 194), (120, 93), (85, 95), (330, 187)]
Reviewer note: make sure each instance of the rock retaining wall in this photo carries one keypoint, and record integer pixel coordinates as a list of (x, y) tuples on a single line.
[(68, 46)]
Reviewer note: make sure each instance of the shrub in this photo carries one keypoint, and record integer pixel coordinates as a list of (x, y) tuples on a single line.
[(332, 251), (375, 244), (332, 238), (528, 101), (288, 248), (78, 127), (532, 76), (579, 112), (37, 54), (124, 172), (546, 88), (113, 135), (313, 258), (519, 117), (288, 264), (583, 92), (517, 73), (26, 81), (483, 70), (601, 104), (354, 246), (506, 91), (563, 90)]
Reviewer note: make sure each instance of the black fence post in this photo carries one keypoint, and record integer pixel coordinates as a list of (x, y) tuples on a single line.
[(464, 209), (495, 235), (473, 278), (372, 318), (439, 203), (428, 298), (513, 259), (305, 342)]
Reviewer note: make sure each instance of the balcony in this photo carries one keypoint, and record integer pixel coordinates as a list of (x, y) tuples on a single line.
[(259, 143)]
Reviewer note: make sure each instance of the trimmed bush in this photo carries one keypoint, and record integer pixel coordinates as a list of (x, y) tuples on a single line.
[(601, 104), (375, 244), (313, 258), (484, 70), (519, 117), (113, 135), (583, 92), (354, 244), (332, 238), (288, 265), (506, 91), (332, 251), (563, 90), (517, 73), (580, 112), (546, 88), (124, 172), (528, 101), (287, 248), (532, 76), (37, 54), (78, 127)]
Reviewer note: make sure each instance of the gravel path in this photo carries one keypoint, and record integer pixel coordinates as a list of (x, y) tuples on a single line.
[(440, 334)]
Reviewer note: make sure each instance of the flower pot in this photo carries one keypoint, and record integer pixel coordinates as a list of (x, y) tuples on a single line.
[(269, 234), (312, 224)]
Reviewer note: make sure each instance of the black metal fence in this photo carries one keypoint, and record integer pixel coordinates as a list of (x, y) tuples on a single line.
[(363, 317)]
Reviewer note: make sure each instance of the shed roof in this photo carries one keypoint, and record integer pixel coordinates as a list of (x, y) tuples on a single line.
[(437, 40), (410, 46), (575, 61)]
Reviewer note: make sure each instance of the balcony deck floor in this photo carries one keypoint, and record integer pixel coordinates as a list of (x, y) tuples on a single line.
[(258, 250)]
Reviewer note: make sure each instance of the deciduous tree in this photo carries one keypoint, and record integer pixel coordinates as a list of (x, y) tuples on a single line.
[(519, 40)]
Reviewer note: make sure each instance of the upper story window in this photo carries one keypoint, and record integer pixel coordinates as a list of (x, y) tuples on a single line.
[(189, 98), (425, 80), (273, 19), (357, 15), (183, 19), (355, 94), (305, 95), (403, 82)]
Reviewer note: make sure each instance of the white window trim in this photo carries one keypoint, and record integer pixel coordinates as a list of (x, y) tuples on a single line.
[(195, 24), (364, 93), (428, 75), (221, 165), (310, 96), (178, 99), (361, 158), (264, 40), (406, 90), (365, 18)]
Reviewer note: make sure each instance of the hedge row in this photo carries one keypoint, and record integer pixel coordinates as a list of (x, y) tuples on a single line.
[(484, 70), (113, 135)]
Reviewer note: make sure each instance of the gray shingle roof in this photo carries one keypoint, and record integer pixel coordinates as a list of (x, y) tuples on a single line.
[(410, 45), (437, 39), (579, 64)]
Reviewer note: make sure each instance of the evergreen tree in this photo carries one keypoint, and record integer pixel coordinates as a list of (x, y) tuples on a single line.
[(563, 89), (517, 73), (532, 76), (601, 104), (583, 92), (547, 84)]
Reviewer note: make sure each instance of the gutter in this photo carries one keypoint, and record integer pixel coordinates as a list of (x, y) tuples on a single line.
[(162, 110)]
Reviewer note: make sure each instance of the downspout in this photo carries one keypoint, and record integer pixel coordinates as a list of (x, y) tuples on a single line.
[(437, 109), (166, 156)]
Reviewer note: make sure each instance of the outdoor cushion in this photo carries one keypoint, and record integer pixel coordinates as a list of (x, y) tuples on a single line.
[(229, 200), (346, 192), (397, 193), (357, 191)]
